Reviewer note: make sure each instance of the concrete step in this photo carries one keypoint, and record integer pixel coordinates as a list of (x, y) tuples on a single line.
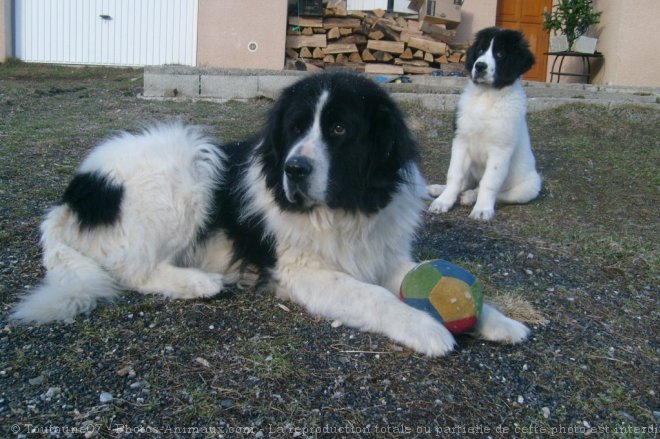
[(438, 93)]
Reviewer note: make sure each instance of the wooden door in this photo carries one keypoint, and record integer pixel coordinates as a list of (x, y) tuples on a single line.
[(527, 17)]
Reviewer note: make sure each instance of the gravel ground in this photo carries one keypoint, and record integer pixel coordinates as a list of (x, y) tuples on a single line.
[(247, 365)]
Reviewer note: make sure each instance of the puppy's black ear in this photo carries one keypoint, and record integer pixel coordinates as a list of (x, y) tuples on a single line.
[(470, 57), (526, 55)]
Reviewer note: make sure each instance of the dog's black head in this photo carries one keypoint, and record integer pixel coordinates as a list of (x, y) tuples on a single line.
[(498, 57), (338, 140)]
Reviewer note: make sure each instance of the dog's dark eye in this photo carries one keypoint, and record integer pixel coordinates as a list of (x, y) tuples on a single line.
[(296, 130), (338, 130)]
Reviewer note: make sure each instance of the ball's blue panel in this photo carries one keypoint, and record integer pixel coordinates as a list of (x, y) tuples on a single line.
[(451, 270), (424, 305)]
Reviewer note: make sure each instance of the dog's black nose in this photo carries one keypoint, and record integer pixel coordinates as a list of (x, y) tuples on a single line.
[(298, 168), (480, 66)]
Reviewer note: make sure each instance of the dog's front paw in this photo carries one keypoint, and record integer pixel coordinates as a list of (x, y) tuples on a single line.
[(506, 331), (484, 214), (426, 335), (469, 197), (434, 190), (202, 285), (440, 205), (495, 326)]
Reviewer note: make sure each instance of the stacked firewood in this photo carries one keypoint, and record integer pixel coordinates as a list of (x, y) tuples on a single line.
[(372, 42)]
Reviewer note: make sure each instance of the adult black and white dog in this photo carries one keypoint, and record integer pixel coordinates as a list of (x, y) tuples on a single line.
[(324, 202), (491, 155)]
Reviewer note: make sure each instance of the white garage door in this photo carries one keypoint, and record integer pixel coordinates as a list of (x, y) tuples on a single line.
[(114, 32)]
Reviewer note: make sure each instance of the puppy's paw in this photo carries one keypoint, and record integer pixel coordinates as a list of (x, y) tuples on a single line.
[(484, 214), (469, 197), (434, 190), (440, 205), (426, 335)]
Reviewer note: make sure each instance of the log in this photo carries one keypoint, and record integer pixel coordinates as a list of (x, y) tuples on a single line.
[(291, 53), (407, 54), (298, 41), (402, 22), (367, 56), (396, 47), (353, 39), (307, 31), (427, 45), (416, 63), (335, 11), (438, 31), (333, 33), (357, 14), (305, 53), (406, 34), (388, 29), (355, 58), (334, 48), (455, 57), (329, 59), (305, 21), (318, 53), (353, 23), (418, 70), (383, 57), (376, 35), (413, 26), (383, 69)]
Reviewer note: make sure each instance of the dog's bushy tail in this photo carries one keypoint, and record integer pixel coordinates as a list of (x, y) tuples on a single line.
[(73, 284)]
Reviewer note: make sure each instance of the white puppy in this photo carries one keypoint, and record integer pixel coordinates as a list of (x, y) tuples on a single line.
[(491, 155)]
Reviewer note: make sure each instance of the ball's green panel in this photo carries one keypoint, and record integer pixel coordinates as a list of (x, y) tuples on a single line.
[(478, 297), (420, 281)]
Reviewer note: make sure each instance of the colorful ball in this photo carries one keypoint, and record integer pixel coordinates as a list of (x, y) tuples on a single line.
[(446, 291)]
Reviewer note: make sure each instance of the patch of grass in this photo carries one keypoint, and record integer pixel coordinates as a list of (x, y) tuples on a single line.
[(270, 359), (584, 255)]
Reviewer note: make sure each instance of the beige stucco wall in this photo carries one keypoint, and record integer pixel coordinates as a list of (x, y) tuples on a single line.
[(5, 29), (227, 27), (627, 37), (475, 15)]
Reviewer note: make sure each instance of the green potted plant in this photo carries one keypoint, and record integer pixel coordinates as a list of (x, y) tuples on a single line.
[(570, 18)]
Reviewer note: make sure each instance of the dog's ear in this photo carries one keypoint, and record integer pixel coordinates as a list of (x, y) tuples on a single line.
[(394, 143), (471, 56), (527, 59)]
